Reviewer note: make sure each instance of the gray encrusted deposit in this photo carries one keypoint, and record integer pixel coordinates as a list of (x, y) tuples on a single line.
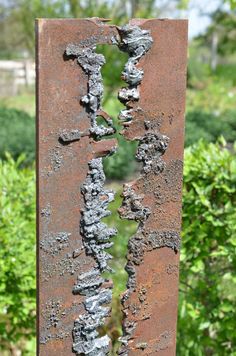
[(85, 334), (136, 42), (132, 207), (151, 148), (92, 62), (150, 151), (96, 234), (96, 239)]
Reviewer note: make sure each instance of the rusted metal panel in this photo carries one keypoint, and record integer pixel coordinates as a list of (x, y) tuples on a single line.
[(150, 303), (66, 170), (61, 171)]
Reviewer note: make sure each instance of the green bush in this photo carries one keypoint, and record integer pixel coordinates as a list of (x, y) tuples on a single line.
[(17, 134), (209, 126), (17, 255), (208, 256), (227, 72)]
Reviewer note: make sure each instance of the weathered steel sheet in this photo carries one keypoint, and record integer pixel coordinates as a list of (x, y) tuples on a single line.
[(150, 303), (62, 170), (68, 166)]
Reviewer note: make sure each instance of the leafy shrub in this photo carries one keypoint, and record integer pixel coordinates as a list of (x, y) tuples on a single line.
[(209, 126), (227, 72), (17, 134), (208, 256), (17, 254)]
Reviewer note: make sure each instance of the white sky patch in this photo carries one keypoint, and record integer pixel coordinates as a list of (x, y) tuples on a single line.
[(199, 14)]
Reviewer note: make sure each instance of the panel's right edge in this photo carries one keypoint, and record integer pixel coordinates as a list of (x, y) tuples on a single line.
[(151, 302)]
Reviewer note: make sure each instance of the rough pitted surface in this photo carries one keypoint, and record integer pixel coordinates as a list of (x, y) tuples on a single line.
[(96, 234), (86, 337), (91, 62), (143, 242), (70, 136), (55, 243), (136, 42), (74, 296), (150, 150), (96, 239), (132, 207), (169, 239), (55, 313)]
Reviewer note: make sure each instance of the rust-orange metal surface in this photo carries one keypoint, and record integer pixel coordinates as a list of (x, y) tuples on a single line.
[(62, 169), (152, 306)]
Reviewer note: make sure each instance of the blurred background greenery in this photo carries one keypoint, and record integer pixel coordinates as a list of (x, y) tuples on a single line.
[(207, 305)]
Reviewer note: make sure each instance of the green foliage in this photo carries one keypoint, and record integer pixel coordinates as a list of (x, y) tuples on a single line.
[(211, 106), (232, 3), (198, 65), (207, 126), (17, 134), (111, 71), (208, 256), (227, 72), (24, 101), (121, 164), (17, 254), (216, 95), (223, 26)]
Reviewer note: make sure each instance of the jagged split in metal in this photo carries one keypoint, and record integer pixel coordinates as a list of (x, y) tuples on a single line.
[(152, 146), (96, 234)]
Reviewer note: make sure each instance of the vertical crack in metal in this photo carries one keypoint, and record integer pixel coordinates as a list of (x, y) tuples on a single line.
[(96, 234)]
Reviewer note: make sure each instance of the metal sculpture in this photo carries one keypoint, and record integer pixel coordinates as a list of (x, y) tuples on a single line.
[(73, 295)]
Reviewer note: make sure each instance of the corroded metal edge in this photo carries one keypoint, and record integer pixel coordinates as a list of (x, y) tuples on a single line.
[(69, 162), (154, 199)]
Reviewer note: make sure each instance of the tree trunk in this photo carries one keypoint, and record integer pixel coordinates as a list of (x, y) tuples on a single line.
[(214, 48)]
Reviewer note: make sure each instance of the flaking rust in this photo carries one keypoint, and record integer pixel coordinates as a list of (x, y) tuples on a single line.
[(154, 116)]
